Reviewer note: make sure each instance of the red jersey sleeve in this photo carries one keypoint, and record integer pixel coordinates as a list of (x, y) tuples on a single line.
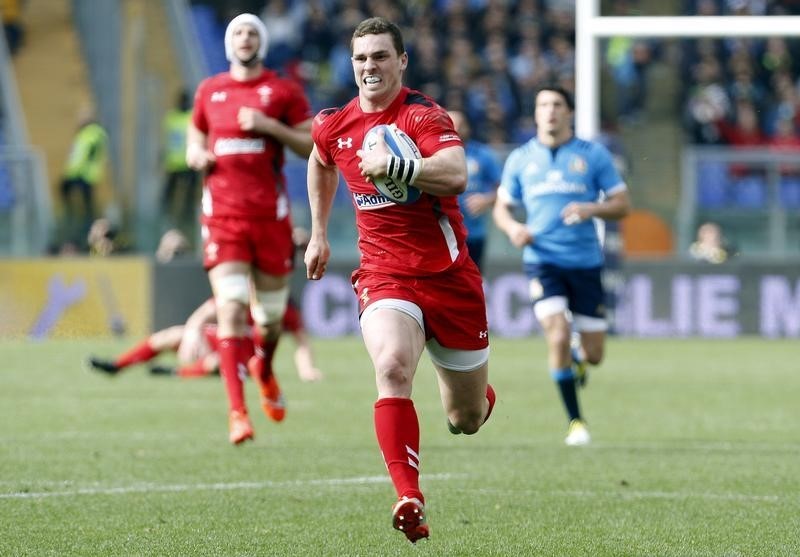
[(432, 130), (319, 134), (199, 119), (299, 110)]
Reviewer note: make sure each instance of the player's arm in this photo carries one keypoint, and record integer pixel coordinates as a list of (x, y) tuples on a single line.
[(198, 157), (322, 183), (503, 215), (193, 344), (613, 207), (479, 202), (204, 314), (443, 173), (297, 138)]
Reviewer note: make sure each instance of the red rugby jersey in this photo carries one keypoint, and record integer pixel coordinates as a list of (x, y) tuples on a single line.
[(422, 238), (247, 179)]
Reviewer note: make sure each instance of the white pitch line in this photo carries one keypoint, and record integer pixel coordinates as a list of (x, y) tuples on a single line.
[(178, 488)]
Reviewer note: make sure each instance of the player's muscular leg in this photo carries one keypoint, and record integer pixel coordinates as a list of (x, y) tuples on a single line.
[(593, 344), (167, 339), (463, 396), (557, 334), (394, 342)]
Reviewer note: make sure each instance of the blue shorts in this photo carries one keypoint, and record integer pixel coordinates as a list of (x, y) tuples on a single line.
[(583, 288)]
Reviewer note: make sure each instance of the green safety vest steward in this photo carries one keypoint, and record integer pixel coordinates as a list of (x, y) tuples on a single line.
[(175, 124), (87, 158)]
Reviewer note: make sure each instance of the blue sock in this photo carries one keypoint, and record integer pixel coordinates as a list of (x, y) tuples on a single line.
[(565, 379)]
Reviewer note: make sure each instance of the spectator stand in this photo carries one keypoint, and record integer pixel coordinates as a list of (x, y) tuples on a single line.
[(759, 209)]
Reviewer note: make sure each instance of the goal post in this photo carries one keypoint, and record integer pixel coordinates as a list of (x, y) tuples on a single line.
[(590, 27)]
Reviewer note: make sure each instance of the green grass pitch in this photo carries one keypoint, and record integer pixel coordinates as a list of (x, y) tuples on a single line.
[(696, 451)]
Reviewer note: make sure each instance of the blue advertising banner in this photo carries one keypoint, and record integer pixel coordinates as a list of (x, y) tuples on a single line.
[(652, 299)]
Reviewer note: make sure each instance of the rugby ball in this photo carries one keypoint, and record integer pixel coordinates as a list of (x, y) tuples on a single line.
[(400, 145)]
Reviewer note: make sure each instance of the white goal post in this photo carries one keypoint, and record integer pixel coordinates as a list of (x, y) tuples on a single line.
[(590, 27)]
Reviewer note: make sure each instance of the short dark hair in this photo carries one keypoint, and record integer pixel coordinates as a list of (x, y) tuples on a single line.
[(379, 26), (561, 91)]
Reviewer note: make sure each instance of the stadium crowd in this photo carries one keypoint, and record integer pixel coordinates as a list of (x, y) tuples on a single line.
[(486, 58), (482, 57), (742, 91)]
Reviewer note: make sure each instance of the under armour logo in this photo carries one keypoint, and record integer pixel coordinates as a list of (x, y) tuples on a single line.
[(345, 143), (483, 334)]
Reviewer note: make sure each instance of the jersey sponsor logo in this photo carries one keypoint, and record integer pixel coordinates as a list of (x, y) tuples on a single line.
[(554, 183), (219, 96), (371, 201), (238, 146), (343, 143), (547, 188), (448, 137)]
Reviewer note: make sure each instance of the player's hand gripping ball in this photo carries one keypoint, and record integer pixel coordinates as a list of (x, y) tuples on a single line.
[(401, 146)]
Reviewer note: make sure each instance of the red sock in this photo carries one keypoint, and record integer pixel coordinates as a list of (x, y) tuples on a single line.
[(265, 351), (142, 352), (195, 369), (397, 428), (231, 368), (248, 349)]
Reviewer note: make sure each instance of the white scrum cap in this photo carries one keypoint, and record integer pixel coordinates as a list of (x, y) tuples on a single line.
[(248, 19)]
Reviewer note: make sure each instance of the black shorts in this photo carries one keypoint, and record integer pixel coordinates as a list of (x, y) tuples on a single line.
[(583, 288)]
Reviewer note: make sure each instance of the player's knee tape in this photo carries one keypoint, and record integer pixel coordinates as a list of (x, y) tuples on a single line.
[(456, 360), (232, 288), (270, 306), (549, 306)]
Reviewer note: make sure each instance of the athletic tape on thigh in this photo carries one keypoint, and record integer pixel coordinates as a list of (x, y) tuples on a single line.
[(454, 359), (549, 306), (232, 288), (270, 306)]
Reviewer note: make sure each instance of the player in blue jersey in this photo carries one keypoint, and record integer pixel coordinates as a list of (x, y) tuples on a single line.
[(483, 177), (564, 184)]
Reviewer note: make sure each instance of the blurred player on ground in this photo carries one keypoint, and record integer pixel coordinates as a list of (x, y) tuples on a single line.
[(416, 284), (241, 121), (196, 343), (559, 180)]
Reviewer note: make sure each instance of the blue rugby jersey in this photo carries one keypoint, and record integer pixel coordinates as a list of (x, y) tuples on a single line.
[(544, 181)]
